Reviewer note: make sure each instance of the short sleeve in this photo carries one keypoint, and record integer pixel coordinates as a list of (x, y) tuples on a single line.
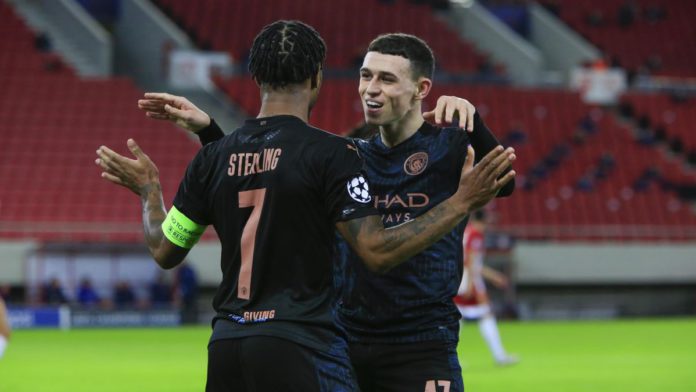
[(191, 199), (347, 189)]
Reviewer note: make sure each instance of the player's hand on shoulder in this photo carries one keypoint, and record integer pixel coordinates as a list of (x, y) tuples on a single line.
[(135, 174), (479, 183), (179, 110), (452, 109)]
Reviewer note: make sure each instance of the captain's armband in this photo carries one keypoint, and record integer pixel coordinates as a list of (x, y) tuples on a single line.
[(181, 230)]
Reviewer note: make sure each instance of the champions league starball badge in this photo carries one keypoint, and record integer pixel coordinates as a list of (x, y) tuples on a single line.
[(359, 190)]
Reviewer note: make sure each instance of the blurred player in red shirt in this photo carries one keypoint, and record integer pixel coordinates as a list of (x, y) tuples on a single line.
[(472, 299)]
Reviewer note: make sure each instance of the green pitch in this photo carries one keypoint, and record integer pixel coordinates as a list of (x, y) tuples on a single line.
[(645, 355)]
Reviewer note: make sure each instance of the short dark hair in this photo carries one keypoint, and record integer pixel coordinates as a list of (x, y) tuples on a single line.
[(409, 47), (286, 52)]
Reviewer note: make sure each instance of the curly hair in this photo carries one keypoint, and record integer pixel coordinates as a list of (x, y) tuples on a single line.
[(286, 52)]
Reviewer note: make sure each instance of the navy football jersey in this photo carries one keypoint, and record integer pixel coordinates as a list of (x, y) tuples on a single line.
[(413, 301), (274, 190)]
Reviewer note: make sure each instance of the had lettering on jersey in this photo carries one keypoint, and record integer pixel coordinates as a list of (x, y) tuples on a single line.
[(246, 163), (414, 165), (408, 201)]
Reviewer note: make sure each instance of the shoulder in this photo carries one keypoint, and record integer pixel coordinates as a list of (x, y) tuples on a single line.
[(208, 152), (365, 145), (209, 156), (457, 136), (332, 144), (446, 133)]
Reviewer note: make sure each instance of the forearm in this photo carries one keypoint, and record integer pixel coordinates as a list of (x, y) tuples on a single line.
[(211, 133), (492, 275), (383, 249), (483, 141), (166, 254), (154, 214)]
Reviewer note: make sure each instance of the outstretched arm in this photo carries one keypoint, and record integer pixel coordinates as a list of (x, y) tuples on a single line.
[(483, 141), (178, 110), (498, 279), (141, 176), (382, 249), (181, 112), (452, 110)]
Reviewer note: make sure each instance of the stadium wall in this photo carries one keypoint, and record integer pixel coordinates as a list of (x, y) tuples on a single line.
[(535, 263), (604, 280), (12, 257), (551, 280), (602, 263)]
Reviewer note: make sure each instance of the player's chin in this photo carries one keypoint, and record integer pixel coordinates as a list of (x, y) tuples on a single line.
[(374, 119)]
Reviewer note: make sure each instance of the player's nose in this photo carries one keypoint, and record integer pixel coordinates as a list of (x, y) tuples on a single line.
[(373, 87)]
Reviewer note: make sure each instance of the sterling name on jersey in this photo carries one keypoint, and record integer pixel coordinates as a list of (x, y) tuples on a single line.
[(412, 302), (274, 190)]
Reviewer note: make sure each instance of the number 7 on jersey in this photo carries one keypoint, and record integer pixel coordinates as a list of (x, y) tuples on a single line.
[(251, 198)]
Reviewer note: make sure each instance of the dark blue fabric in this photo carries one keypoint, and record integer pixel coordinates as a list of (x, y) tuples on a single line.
[(412, 302)]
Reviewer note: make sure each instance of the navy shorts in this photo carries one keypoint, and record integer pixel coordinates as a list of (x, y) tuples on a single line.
[(407, 367), (264, 363)]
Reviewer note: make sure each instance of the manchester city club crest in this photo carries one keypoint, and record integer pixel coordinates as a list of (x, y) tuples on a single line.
[(416, 163)]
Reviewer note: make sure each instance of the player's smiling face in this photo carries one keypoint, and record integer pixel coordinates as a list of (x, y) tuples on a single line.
[(387, 88)]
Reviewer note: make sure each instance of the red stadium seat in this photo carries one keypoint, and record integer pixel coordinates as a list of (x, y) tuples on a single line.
[(53, 122)]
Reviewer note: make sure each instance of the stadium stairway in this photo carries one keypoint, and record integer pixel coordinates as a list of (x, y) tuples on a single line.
[(53, 121)]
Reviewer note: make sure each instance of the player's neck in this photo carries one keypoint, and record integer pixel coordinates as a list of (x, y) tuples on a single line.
[(397, 132), (285, 102)]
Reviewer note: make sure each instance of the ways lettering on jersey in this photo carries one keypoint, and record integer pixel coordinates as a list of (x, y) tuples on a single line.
[(246, 163)]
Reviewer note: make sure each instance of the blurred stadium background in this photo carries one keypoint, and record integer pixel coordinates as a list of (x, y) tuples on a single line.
[(597, 96)]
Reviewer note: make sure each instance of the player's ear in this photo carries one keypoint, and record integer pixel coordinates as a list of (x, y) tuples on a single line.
[(423, 86), (317, 79)]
